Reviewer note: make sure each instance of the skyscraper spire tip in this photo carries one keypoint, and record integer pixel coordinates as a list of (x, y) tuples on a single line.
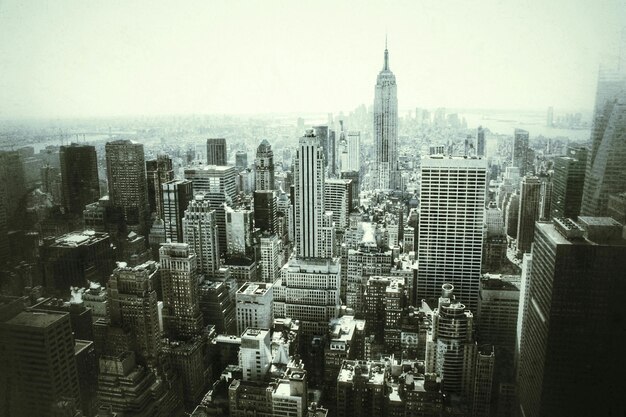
[(386, 67)]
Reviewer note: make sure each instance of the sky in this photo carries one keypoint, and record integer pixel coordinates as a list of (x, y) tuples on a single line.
[(82, 58)]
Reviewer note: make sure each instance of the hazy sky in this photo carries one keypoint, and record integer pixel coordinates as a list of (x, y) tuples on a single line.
[(63, 58)]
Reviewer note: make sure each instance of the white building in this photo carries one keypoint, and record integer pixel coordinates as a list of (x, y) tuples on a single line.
[(200, 232), (270, 262), (255, 355), (450, 240), (254, 306)]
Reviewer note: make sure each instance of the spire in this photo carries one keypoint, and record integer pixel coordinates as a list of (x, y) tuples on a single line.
[(386, 67)]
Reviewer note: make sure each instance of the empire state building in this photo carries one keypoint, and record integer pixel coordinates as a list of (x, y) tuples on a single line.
[(386, 127)]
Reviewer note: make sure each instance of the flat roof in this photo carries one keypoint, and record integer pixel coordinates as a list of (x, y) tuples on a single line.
[(36, 319)]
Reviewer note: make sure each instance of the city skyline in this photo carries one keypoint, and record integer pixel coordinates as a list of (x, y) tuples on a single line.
[(195, 58)]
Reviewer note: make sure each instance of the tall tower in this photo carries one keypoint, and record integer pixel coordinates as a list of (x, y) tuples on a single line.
[(216, 151), (480, 141), (451, 226), (386, 126), (571, 320), (159, 171), (200, 232), (128, 190), (309, 196), (79, 177), (528, 212), (176, 195), (182, 319), (568, 181), (521, 152)]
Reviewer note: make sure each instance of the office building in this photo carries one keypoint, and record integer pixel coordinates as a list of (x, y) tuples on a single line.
[(523, 156), (255, 355), (265, 209), (338, 200), (38, 362), (480, 142), (12, 180), (216, 152), (498, 307), (353, 162), (79, 177), (309, 198), (128, 189), (366, 261), (386, 127), (133, 305), (254, 306), (73, 259), (530, 196), (483, 381), (239, 228), (264, 167), (361, 389), (271, 260), (241, 160), (201, 234), (568, 181), (182, 319), (217, 306), (571, 351), (617, 207), (158, 172), (176, 195), (323, 133), (451, 219)]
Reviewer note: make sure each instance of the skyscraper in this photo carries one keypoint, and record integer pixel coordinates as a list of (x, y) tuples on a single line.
[(241, 160), (451, 226), (264, 167), (200, 233), (128, 190), (12, 180), (159, 171), (530, 195), (79, 177), (322, 133), (480, 141), (338, 200), (572, 358), (265, 208), (568, 181), (38, 351), (386, 127), (522, 155), (309, 196), (605, 173), (354, 152), (182, 319), (176, 195), (216, 151)]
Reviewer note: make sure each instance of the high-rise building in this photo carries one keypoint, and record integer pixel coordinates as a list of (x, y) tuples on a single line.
[(270, 261), (216, 151), (128, 189), (264, 167), (38, 362), (354, 152), (255, 354), (366, 261), (338, 200), (218, 183), (512, 216), (182, 319), (201, 234), (386, 127), (309, 197), (176, 195), (480, 141), (79, 177), (265, 209), (133, 304), (361, 389), (239, 227), (450, 348), (73, 259), (522, 155), (571, 360), (497, 310), (254, 306), (12, 180), (568, 181), (322, 133), (451, 226), (158, 172), (241, 160), (308, 290), (605, 174), (530, 196), (483, 380), (217, 306)]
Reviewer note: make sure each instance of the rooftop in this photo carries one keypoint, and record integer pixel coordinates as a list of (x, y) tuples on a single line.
[(254, 288), (79, 238), (36, 319)]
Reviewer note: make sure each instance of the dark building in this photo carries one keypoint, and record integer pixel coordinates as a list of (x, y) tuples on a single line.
[(567, 183), (265, 211), (361, 389), (128, 189), (241, 160), (571, 348), (12, 180), (356, 187), (38, 362), (75, 258), (176, 195), (80, 184), (217, 306), (522, 155), (530, 197), (617, 207), (216, 151), (322, 132), (158, 171), (480, 141)]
